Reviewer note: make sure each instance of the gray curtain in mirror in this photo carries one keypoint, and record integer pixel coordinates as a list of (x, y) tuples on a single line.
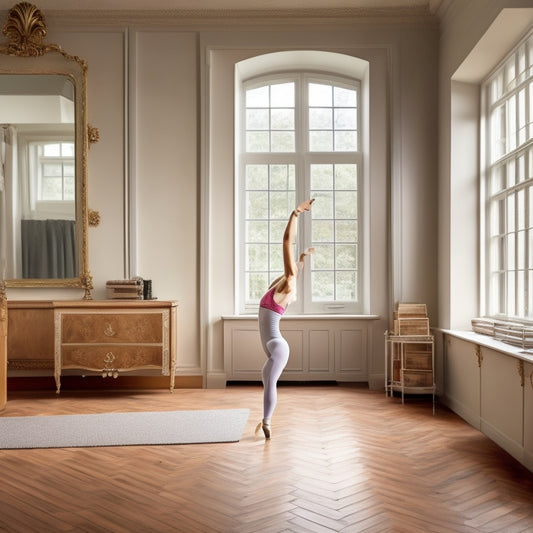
[(49, 249)]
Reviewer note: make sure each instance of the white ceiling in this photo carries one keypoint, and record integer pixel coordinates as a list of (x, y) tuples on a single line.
[(132, 5)]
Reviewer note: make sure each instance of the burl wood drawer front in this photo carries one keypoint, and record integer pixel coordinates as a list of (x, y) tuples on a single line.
[(112, 328), (112, 357)]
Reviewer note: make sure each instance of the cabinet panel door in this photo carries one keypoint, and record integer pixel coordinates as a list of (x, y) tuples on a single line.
[(295, 338), (351, 353), (320, 351), (462, 383), (528, 414), (248, 354), (501, 396)]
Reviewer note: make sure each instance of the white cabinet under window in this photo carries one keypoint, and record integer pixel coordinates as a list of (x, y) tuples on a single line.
[(502, 400), (528, 415), (462, 380), (490, 385), (322, 349)]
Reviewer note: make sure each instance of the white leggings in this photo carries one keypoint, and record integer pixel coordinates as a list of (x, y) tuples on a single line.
[(277, 358)]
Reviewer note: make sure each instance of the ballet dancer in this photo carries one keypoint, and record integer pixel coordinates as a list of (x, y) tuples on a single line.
[(280, 294)]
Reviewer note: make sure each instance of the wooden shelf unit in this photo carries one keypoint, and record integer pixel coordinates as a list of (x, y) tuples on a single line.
[(410, 354)]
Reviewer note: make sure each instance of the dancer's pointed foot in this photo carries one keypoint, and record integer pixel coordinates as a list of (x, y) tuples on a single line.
[(265, 426)]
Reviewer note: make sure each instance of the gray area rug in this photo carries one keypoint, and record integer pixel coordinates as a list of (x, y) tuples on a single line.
[(123, 429)]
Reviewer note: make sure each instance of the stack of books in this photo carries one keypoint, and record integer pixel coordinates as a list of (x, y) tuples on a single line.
[(131, 289)]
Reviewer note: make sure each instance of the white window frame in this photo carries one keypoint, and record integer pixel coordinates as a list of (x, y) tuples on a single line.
[(507, 287), (303, 159), (30, 164)]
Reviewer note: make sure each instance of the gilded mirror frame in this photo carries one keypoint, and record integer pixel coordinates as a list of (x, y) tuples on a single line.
[(25, 52)]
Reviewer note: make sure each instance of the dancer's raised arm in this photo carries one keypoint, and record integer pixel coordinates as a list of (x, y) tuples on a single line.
[(289, 239)]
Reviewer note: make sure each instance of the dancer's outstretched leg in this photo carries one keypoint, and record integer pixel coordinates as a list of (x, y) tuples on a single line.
[(272, 369)]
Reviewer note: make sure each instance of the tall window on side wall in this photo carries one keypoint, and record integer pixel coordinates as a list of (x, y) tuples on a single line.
[(507, 186), (300, 138)]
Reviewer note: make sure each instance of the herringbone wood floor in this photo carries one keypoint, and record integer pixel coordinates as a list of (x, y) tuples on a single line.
[(342, 458)]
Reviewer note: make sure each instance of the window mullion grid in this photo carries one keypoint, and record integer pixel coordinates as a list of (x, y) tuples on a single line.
[(515, 284), (302, 161)]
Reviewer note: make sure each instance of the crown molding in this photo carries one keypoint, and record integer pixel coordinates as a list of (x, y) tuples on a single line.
[(253, 17)]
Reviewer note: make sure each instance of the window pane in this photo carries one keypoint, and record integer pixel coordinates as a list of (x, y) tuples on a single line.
[(320, 119), (344, 97), (346, 119), (257, 119), (521, 250), (52, 169), (323, 286), (257, 141), (69, 188), (510, 252), (345, 141), (281, 203), (52, 150), (322, 177), (323, 206), (346, 177), (324, 257), (323, 231), (52, 189), (68, 169), (257, 205), (256, 231), (521, 209), (276, 262), (256, 177), (345, 231), (497, 182), (277, 227), (320, 95), (510, 213), (346, 204), (346, 285), (257, 256), (257, 97), (282, 95), (67, 149), (321, 141), (282, 177), (346, 257), (282, 119), (255, 284), (282, 141)]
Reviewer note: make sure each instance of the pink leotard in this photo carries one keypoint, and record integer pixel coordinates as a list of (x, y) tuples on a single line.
[(267, 301)]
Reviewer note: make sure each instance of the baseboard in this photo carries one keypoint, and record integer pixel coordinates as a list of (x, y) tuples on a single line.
[(98, 383)]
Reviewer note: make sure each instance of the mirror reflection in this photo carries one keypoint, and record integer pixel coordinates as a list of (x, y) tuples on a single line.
[(38, 177)]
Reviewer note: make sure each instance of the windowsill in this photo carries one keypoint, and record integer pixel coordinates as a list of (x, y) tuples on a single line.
[(490, 342), (306, 317)]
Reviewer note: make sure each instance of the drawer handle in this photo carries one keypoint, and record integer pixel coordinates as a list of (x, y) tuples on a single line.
[(109, 331), (108, 370)]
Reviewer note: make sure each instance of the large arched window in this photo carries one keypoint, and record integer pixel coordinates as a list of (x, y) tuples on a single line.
[(299, 136)]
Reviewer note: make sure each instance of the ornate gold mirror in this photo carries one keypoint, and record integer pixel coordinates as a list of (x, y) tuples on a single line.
[(43, 158)]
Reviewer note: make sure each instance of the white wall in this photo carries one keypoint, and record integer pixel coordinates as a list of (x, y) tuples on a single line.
[(149, 95), (475, 37)]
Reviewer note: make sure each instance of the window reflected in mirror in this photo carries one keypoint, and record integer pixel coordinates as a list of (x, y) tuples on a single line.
[(38, 155)]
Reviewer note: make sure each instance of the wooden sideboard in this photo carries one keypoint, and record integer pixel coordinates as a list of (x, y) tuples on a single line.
[(106, 337)]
